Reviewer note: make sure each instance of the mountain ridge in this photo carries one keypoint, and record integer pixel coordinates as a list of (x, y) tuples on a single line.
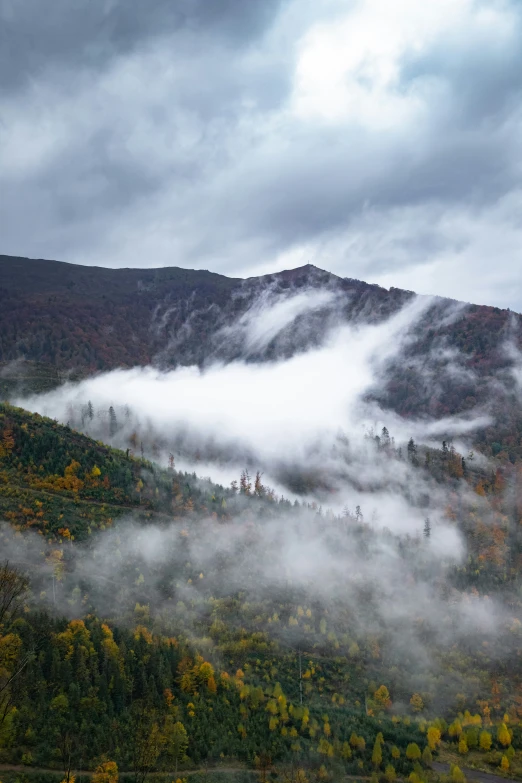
[(284, 274), (70, 321)]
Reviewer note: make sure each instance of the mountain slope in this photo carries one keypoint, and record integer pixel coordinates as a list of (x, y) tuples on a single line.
[(95, 318), (65, 485), (77, 319), (92, 318), (195, 582)]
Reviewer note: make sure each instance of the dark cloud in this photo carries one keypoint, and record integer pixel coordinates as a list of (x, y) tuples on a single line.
[(37, 36), (153, 133)]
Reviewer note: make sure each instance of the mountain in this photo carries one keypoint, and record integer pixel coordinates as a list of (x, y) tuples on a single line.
[(166, 620), (91, 318), (62, 320)]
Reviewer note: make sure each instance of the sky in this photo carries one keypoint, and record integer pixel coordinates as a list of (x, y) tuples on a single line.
[(379, 140)]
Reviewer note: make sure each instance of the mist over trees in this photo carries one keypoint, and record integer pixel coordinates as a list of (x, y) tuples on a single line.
[(260, 560)]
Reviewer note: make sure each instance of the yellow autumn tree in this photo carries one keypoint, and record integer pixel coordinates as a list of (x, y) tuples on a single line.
[(413, 752), (13, 589), (382, 697), (433, 737), (455, 729), (346, 751), (325, 748), (504, 735), (456, 774), (377, 754), (389, 773), (106, 773), (485, 740)]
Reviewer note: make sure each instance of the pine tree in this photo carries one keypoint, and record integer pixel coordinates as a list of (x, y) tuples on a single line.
[(245, 483), (113, 422), (259, 489), (412, 451)]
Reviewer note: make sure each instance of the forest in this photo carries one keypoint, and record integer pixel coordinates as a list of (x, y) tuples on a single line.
[(261, 391), (150, 625), (344, 602)]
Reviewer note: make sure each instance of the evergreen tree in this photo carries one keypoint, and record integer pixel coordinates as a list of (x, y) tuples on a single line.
[(113, 422), (412, 451)]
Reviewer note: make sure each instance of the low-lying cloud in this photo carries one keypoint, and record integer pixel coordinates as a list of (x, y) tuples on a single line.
[(378, 561), (303, 421)]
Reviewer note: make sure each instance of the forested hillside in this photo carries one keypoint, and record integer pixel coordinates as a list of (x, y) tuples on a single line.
[(63, 321), (52, 477), (165, 624)]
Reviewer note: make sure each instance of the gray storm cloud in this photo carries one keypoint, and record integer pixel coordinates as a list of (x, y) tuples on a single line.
[(250, 137)]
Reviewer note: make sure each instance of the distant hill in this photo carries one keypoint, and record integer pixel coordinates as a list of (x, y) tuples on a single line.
[(59, 319), (91, 318)]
